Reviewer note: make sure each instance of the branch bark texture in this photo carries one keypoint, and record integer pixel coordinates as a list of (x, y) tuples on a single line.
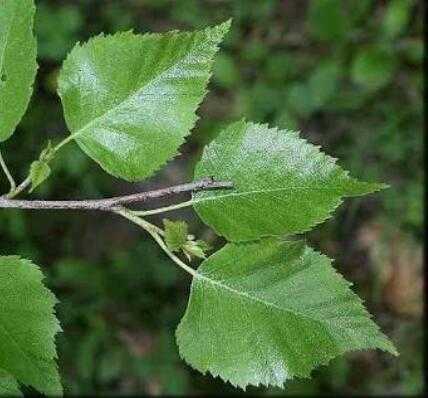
[(111, 204)]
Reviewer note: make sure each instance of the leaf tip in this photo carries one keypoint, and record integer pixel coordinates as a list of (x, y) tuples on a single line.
[(360, 188), (225, 26), (219, 31), (390, 348)]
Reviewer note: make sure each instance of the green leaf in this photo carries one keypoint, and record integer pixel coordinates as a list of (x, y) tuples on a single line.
[(265, 312), (27, 326), (176, 233), (39, 172), (130, 100), (8, 385), (282, 184), (196, 249), (177, 239), (18, 50)]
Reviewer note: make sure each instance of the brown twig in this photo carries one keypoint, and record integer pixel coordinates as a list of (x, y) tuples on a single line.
[(112, 204)]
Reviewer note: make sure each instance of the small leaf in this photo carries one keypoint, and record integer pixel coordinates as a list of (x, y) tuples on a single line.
[(130, 100), (265, 312), (8, 385), (27, 326), (282, 184), (177, 239), (18, 66), (48, 152), (39, 172), (196, 249), (176, 233)]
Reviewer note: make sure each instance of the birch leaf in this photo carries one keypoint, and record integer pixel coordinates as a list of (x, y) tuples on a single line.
[(130, 100), (28, 326), (265, 312), (18, 66), (283, 185)]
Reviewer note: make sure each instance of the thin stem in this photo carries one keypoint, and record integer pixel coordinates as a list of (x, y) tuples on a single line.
[(181, 205), (27, 182), (109, 204), (63, 142), (155, 228), (151, 229), (7, 173), (20, 188)]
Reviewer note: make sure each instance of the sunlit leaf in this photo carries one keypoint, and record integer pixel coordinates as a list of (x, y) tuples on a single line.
[(282, 184), (130, 100), (17, 62), (265, 312)]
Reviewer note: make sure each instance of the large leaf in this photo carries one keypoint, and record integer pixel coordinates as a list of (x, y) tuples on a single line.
[(130, 100), (283, 185), (27, 326), (17, 62), (262, 313)]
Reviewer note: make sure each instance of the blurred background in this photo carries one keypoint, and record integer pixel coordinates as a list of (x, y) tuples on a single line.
[(347, 74)]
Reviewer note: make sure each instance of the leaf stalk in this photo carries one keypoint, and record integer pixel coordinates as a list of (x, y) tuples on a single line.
[(16, 190), (153, 230), (181, 205), (7, 173)]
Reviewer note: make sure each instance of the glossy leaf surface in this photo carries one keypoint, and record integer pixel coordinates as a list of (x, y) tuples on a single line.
[(27, 326), (282, 184), (130, 100), (18, 65), (264, 312)]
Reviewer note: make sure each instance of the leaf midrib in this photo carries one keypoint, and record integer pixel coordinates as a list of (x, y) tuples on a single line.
[(265, 191), (254, 298)]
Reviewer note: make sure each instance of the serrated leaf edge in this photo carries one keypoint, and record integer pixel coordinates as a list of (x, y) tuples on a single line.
[(56, 326), (325, 362), (31, 88), (317, 153), (220, 30)]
